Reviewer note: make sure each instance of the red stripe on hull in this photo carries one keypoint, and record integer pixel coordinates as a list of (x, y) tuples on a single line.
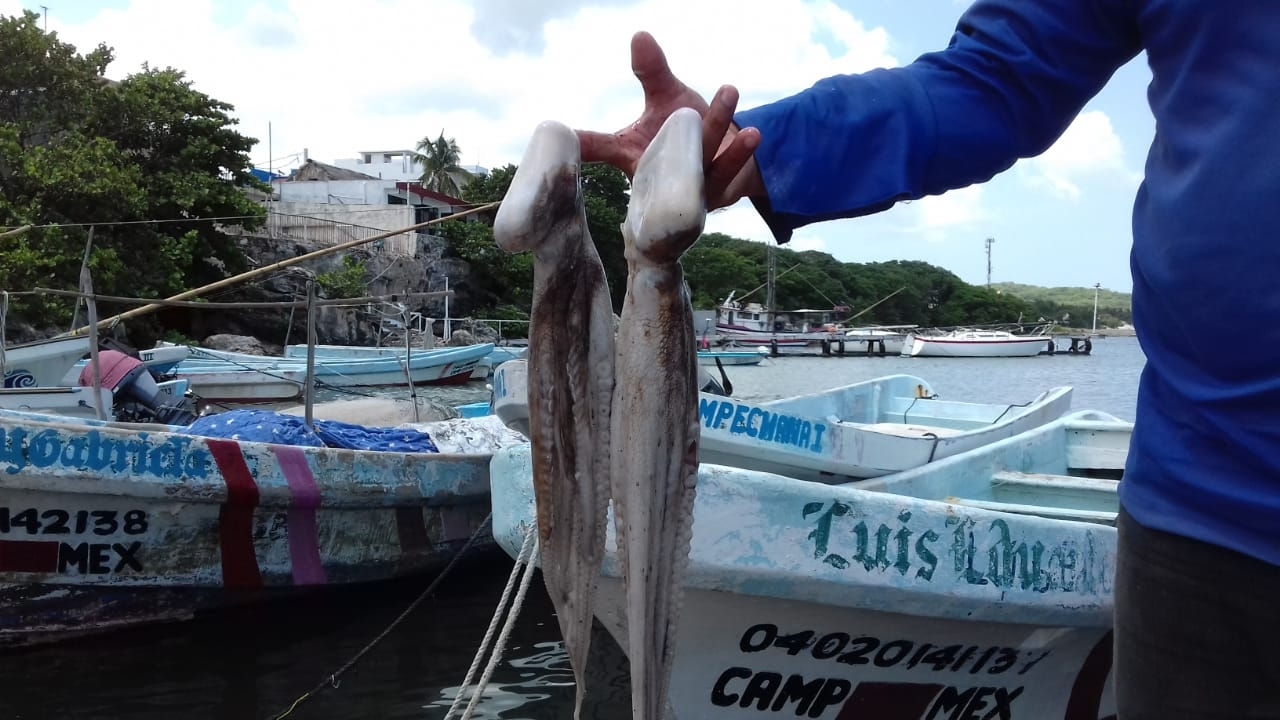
[(235, 518)]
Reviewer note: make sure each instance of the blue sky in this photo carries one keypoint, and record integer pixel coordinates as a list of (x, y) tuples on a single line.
[(339, 78)]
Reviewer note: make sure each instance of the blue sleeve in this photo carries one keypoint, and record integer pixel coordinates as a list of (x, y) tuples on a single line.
[(1014, 75)]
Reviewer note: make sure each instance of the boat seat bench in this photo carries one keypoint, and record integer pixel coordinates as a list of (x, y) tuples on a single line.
[(1076, 498), (910, 430)]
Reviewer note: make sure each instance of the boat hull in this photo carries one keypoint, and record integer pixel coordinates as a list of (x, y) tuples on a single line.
[(43, 363), (709, 357), (104, 526), (919, 346), (841, 602)]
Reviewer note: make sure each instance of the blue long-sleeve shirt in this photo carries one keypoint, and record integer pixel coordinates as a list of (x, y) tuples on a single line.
[(1205, 457)]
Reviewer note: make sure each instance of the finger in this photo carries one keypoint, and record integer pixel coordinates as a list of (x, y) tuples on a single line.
[(605, 148), (716, 122), (649, 64), (724, 181)]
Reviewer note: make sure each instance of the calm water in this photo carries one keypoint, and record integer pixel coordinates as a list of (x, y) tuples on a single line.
[(252, 663)]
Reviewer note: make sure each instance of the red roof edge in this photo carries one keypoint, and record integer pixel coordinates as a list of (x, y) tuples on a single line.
[(431, 194)]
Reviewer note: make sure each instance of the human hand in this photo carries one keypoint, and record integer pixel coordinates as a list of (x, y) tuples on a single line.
[(731, 171)]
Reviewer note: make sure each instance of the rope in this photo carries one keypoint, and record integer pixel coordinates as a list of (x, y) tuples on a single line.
[(525, 558), (333, 679)]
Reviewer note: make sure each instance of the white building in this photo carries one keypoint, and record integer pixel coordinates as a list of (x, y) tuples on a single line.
[(392, 165), (331, 204)]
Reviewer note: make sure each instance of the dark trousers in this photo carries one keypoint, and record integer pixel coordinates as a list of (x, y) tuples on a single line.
[(1197, 629)]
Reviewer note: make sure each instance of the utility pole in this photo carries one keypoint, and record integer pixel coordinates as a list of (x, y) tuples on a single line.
[(990, 241), (45, 8), (1096, 288)]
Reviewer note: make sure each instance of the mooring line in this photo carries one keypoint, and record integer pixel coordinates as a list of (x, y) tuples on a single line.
[(332, 679), (526, 560)]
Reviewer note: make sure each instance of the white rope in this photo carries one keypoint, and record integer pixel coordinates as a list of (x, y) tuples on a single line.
[(522, 558), (506, 632)]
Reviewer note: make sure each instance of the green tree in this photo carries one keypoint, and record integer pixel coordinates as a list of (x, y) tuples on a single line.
[(440, 169), (148, 161)]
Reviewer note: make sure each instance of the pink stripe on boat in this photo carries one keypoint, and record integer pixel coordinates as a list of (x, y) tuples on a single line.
[(304, 547)]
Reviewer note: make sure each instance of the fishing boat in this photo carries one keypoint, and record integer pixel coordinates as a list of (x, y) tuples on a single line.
[(223, 376), (755, 325), (157, 360), (732, 357), (977, 586), (977, 343), (106, 525), (126, 390), (43, 363), (863, 430)]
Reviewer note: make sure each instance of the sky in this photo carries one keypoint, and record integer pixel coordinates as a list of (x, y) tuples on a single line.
[(336, 78)]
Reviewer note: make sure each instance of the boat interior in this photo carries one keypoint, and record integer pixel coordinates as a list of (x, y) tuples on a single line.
[(1069, 469)]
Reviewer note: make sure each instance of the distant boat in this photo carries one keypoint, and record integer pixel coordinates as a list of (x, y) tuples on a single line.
[(238, 377), (755, 324), (877, 340), (976, 343), (732, 357)]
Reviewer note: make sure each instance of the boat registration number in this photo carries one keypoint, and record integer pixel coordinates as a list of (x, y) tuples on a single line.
[(56, 521)]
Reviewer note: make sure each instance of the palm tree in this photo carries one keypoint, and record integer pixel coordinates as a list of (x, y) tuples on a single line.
[(440, 170)]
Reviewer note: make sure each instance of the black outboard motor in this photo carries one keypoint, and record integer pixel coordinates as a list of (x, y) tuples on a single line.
[(137, 396), (708, 384)]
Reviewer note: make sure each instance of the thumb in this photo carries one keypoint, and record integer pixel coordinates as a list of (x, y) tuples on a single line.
[(649, 64)]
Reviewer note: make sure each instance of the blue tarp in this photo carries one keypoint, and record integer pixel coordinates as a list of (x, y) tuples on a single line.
[(271, 427)]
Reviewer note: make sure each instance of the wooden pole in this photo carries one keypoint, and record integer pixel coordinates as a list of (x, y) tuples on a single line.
[(309, 388), (86, 286), (225, 282), (194, 304)]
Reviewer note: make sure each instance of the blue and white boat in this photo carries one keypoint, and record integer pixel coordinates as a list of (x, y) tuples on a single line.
[(863, 430), (733, 357), (105, 525), (980, 585), (238, 377)]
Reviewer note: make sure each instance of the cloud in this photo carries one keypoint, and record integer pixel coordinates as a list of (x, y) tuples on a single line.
[(1090, 149), (336, 78), (516, 26)]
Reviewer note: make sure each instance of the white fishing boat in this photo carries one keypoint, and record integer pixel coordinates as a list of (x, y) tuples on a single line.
[(126, 391), (863, 430), (977, 586), (976, 343), (105, 525), (157, 360), (753, 324), (43, 363)]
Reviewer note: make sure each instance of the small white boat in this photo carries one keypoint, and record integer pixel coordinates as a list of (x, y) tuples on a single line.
[(977, 586), (127, 391), (863, 430), (875, 340), (105, 525), (43, 363), (976, 343), (157, 360), (733, 357)]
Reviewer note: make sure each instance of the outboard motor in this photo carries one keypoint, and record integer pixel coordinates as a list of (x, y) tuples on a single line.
[(708, 384), (137, 397)]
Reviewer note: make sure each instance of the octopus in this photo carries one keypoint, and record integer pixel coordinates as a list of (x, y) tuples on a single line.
[(570, 378), (654, 423)]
